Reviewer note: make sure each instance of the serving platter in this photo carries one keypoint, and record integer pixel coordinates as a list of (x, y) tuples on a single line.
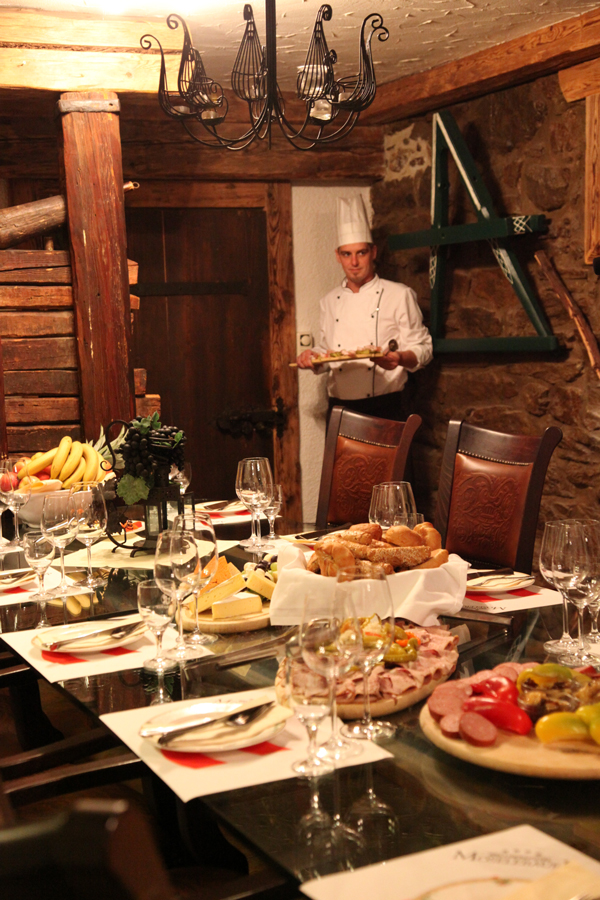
[(252, 622), (516, 754), (346, 358)]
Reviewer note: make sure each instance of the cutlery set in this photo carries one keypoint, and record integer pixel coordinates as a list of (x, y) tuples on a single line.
[(114, 633), (236, 719)]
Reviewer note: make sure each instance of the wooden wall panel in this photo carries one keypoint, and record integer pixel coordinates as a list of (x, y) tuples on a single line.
[(592, 179), (41, 409), (45, 437), (42, 382), (40, 353)]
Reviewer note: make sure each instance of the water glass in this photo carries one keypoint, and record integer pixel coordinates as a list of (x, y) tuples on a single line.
[(157, 610), (391, 503), (254, 487), (175, 565), (39, 552), (310, 710), (60, 524), (14, 495), (273, 509), (92, 518), (200, 525)]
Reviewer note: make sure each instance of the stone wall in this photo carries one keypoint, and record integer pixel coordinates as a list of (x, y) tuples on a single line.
[(529, 145)]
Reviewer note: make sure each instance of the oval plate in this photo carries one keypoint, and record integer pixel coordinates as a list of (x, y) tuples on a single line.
[(501, 584), (97, 644)]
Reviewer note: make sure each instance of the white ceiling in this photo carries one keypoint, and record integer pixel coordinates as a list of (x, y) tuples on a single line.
[(423, 33)]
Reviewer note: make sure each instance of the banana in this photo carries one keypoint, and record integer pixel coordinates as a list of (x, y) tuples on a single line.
[(76, 476), (73, 460), (91, 463), (61, 456), (36, 465), (36, 455)]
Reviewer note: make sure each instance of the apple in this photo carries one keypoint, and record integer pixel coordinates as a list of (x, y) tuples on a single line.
[(47, 471), (43, 475), (20, 463), (8, 482)]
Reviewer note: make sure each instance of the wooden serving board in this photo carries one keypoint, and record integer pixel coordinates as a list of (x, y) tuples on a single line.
[(327, 359), (253, 622), (516, 754)]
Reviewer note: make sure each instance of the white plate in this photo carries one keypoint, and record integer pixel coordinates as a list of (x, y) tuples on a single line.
[(205, 746), (501, 584), (99, 643)]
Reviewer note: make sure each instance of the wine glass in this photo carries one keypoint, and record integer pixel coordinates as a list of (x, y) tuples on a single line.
[(157, 610), (592, 584), (569, 569), (92, 517), (183, 476), (272, 510), (565, 643), (175, 566), (589, 587), (59, 523), (376, 823), (372, 601), (391, 503), (14, 495), (254, 487), (331, 640), (310, 710), (39, 552), (200, 525)]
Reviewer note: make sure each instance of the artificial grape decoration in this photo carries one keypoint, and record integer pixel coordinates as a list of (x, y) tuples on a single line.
[(148, 446)]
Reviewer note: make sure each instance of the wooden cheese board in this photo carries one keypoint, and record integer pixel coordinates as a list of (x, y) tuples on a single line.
[(235, 624), (517, 754), (317, 361)]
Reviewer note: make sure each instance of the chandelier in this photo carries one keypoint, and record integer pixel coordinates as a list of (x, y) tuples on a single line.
[(332, 105)]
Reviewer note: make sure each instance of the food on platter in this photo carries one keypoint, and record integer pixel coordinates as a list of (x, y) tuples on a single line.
[(231, 594), (408, 674), (563, 703), (365, 546), (370, 351), (66, 464), (241, 604)]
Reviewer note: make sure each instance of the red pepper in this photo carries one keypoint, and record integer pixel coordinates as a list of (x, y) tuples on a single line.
[(498, 686), (503, 714)]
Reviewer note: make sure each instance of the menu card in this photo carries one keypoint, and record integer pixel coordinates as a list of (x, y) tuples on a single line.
[(493, 867), (511, 601)]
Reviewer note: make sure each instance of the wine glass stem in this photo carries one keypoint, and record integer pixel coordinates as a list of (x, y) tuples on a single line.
[(159, 640), (312, 730), (16, 512), (63, 577), (180, 639), (272, 535), (367, 720), (566, 635), (594, 621), (90, 577), (580, 627), (332, 700)]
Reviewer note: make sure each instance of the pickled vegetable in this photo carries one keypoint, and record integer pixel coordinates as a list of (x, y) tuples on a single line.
[(545, 674), (589, 713), (561, 726)]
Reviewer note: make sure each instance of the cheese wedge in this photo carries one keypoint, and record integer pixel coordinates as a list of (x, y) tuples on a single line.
[(256, 581), (225, 589), (233, 570), (242, 604), (221, 575)]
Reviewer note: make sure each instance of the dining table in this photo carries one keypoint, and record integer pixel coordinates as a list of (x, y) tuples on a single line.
[(428, 797)]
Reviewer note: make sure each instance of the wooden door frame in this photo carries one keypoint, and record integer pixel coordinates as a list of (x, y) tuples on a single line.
[(275, 198)]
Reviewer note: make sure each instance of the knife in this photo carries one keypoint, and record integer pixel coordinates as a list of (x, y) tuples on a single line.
[(489, 573), (245, 715), (117, 632), (197, 721)]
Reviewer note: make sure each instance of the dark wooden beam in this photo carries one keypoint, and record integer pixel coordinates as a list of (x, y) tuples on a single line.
[(3, 433), (513, 62), (93, 180)]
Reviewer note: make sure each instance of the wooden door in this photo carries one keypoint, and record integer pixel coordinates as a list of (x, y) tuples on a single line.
[(202, 332)]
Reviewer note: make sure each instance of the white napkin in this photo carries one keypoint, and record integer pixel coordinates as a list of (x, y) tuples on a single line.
[(221, 735), (420, 595)]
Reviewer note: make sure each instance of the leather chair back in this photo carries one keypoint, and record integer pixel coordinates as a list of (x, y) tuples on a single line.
[(360, 451), (490, 491)]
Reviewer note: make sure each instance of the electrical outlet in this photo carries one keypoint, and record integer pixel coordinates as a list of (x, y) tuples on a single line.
[(304, 341)]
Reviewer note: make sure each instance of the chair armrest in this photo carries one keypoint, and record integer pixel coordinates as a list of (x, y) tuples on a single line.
[(59, 753)]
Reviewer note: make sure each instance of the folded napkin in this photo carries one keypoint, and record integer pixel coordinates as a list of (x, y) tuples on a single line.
[(564, 883), (220, 735), (420, 595)]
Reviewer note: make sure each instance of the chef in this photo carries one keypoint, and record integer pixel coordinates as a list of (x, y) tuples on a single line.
[(366, 309)]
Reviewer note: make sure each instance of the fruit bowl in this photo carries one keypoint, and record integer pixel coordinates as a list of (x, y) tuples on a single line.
[(31, 512)]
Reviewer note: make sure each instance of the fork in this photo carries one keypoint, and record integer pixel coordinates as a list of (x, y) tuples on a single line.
[(235, 720)]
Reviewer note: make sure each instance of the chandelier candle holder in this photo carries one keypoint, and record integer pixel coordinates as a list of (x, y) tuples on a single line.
[(333, 106)]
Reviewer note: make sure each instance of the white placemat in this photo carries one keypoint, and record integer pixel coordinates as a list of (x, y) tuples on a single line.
[(192, 775), (23, 593), (526, 598), (64, 664), (485, 868), (104, 558)]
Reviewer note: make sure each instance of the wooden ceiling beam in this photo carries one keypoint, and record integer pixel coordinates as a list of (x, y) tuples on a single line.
[(580, 81), (542, 52)]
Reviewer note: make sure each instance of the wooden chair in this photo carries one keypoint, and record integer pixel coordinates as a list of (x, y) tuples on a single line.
[(360, 451), (489, 493)]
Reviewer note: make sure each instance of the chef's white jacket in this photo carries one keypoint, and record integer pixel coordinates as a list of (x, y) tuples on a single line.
[(380, 311)]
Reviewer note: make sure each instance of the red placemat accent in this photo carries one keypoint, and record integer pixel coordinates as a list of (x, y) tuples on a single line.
[(218, 515), (192, 760), (117, 651), (16, 590), (486, 598), (264, 749), (55, 656)]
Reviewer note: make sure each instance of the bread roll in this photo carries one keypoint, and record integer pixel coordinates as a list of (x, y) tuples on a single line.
[(358, 537), (430, 535), (398, 557), (370, 528), (437, 559), (403, 536)]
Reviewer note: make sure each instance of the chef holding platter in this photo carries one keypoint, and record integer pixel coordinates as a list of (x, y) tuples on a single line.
[(364, 311)]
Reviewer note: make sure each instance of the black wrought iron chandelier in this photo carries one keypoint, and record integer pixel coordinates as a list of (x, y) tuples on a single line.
[(332, 105)]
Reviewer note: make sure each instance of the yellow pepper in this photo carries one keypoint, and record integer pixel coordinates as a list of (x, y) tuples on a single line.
[(561, 726)]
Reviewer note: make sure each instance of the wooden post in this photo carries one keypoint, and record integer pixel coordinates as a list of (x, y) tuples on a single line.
[(3, 432), (93, 180)]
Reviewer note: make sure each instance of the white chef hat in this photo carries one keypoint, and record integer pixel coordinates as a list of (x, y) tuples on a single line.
[(352, 222)]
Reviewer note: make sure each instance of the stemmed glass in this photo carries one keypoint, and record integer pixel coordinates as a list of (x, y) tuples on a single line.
[(592, 584), (391, 503), (331, 643), (254, 487), (199, 524), (175, 568), (273, 509), (39, 552), (92, 517), (376, 823), (14, 495), (157, 610), (569, 570), (310, 710), (372, 601), (183, 477), (565, 643), (60, 524)]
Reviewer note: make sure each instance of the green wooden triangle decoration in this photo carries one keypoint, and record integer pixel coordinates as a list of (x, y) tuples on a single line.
[(447, 139)]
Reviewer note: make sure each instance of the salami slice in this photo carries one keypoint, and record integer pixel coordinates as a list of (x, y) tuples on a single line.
[(445, 703), (508, 670), (476, 730), (449, 725)]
